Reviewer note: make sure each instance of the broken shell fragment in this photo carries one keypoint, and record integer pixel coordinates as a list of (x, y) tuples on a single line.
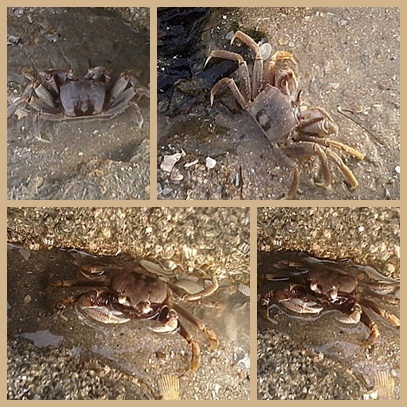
[(244, 289), (176, 176), (169, 161), (191, 164), (230, 326), (189, 252)]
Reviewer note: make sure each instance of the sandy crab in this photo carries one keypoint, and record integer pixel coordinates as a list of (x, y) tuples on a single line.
[(304, 285), (121, 294), (58, 94), (272, 100)]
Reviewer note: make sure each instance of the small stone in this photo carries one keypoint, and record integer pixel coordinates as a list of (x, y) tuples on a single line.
[(210, 163)]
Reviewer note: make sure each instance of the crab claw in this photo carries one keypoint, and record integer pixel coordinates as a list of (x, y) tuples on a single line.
[(167, 321)]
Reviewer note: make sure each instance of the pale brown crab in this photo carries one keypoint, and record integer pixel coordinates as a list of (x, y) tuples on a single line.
[(58, 94), (272, 100), (121, 294), (303, 285)]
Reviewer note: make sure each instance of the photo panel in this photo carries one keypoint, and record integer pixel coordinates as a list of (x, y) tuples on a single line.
[(153, 302), (328, 284), (78, 116), (279, 102), (155, 299)]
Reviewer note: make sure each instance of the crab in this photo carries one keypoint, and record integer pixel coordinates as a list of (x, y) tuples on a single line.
[(273, 101), (127, 291), (303, 285), (58, 94)]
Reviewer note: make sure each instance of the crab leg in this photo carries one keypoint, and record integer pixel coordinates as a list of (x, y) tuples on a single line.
[(348, 174), (139, 89), (206, 292), (120, 96), (243, 71), (196, 350), (264, 302), (65, 302), (22, 100), (389, 316), (121, 99), (294, 184), (354, 317), (203, 327), (305, 148), (231, 84), (11, 108), (326, 142), (374, 329), (257, 75), (347, 149), (170, 323), (72, 283)]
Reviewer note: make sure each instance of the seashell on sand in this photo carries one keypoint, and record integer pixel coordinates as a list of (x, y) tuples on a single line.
[(168, 386), (384, 385)]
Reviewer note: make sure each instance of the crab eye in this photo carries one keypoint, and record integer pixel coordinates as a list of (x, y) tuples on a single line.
[(333, 293), (315, 287), (326, 126), (123, 300), (329, 127), (144, 307)]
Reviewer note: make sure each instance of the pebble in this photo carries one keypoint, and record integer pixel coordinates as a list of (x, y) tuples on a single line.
[(210, 163)]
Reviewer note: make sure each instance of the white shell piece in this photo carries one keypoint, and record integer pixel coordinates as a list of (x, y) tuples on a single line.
[(265, 50), (169, 161), (230, 326), (190, 164), (210, 163), (176, 175), (168, 386), (189, 252), (244, 289)]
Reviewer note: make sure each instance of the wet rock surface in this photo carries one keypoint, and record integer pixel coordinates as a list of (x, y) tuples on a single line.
[(97, 159), (131, 351), (212, 240), (341, 65), (323, 359)]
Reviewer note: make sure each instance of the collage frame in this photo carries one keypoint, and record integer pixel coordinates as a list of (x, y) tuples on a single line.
[(258, 209)]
